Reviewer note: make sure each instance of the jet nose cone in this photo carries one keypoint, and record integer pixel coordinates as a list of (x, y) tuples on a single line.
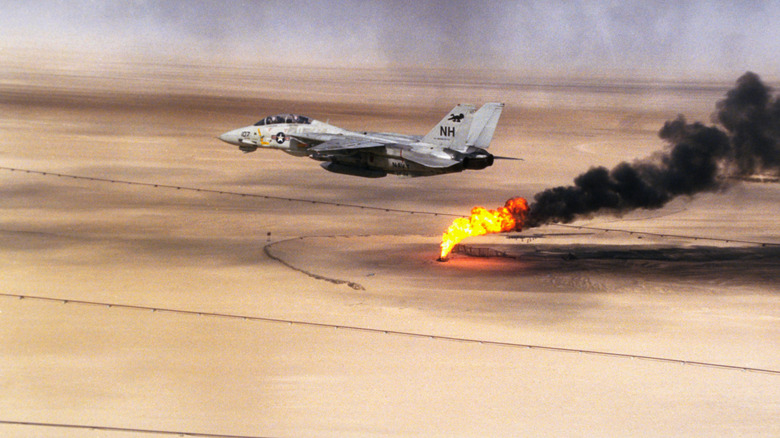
[(229, 137)]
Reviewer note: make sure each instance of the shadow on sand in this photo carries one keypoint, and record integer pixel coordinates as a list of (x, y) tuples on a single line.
[(747, 264)]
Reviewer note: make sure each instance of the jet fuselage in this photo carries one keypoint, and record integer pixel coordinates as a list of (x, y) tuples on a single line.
[(445, 149)]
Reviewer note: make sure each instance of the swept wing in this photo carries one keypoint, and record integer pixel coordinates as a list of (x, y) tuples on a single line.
[(343, 143), (336, 143)]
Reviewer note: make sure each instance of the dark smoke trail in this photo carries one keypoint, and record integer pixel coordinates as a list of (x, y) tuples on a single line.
[(694, 161), (752, 118)]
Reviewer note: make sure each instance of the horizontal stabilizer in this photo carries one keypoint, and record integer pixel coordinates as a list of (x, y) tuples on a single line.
[(507, 158), (427, 160)]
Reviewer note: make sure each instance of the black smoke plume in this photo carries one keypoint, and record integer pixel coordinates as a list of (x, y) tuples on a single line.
[(752, 118), (695, 160)]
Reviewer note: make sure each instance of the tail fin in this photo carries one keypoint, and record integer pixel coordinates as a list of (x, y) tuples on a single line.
[(453, 130), (484, 124)]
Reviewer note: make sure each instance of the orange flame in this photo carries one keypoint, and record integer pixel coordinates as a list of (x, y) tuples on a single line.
[(483, 221)]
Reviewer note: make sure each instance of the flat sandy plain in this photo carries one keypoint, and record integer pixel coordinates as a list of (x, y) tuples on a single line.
[(152, 308)]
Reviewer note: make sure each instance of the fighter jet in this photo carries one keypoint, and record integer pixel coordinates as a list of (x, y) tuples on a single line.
[(456, 143)]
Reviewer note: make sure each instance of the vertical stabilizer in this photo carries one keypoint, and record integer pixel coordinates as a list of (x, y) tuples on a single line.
[(484, 124), (453, 130)]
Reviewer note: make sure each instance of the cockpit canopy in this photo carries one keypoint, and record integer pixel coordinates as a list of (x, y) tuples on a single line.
[(283, 118)]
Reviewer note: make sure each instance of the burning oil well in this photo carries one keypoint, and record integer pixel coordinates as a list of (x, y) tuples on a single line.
[(482, 221), (696, 159)]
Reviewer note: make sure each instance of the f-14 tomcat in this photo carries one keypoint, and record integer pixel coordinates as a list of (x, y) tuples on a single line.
[(456, 143)]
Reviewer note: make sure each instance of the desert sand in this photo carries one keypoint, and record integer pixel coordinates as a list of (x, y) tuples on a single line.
[(133, 306)]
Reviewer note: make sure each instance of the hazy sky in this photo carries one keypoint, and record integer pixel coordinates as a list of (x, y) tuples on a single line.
[(670, 39)]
